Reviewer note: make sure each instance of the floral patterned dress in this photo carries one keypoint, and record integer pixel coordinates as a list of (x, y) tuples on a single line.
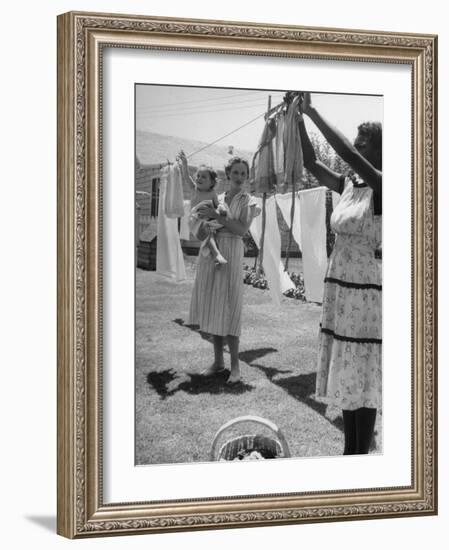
[(350, 344)]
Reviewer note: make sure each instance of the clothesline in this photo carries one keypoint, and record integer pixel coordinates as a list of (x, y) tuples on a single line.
[(224, 105), (200, 104), (233, 131), (201, 101), (196, 112), (225, 136), (264, 114)]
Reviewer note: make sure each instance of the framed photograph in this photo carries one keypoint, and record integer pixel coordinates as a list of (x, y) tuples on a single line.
[(247, 274)]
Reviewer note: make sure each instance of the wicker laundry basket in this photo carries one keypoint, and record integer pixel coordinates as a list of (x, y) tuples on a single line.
[(249, 444)]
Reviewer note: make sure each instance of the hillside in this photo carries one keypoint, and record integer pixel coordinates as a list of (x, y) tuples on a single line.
[(154, 148)]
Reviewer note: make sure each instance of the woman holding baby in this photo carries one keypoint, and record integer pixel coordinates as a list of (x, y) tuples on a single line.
[(217, 298)]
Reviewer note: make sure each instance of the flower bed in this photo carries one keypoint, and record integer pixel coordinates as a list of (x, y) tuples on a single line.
[(258, 280)]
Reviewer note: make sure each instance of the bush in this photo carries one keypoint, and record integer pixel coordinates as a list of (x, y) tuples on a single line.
[(258, 280)]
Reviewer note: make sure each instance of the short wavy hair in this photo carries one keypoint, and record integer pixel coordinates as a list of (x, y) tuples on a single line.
[(373, 131), (235, 160)]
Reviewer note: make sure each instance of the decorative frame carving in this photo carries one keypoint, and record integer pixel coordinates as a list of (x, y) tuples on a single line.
[(81, 38)]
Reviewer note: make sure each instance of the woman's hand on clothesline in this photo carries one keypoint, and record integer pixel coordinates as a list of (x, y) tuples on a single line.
[(182, 158), (306, 103)]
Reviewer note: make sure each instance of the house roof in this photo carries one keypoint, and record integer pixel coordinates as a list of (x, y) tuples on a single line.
[(154, 148)]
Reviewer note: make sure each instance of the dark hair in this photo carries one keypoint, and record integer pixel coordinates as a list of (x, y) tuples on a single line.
[(373, 131), (235, 160), (212, 173)]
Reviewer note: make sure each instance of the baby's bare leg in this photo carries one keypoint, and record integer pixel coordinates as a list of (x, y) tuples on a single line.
[(203, 232), (212, 244)]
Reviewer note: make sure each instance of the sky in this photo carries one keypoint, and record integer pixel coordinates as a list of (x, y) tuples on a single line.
[(207, 114)]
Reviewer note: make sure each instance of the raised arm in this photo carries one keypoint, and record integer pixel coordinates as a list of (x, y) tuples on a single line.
[(344, 148), (327, 177), (185, 169)]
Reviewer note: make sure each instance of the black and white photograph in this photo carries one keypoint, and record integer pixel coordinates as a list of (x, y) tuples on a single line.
[(224, 300), (258, 274)]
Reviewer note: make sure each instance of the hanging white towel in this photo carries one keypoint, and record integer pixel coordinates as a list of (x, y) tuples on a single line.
[(169, 258), (185, 230), (174, 200), (284, 201), (313, 231), (278, 280)]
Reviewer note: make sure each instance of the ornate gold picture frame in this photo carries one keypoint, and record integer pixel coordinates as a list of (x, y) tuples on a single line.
[(83, 39)]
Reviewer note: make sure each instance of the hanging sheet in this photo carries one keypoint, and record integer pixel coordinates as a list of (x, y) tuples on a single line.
[(278, 280), (313, 237), (169, 257), (174, 199), (185, 230), (284, 201)]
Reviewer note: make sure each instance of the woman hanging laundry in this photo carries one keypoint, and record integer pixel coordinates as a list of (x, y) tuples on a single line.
[(350, 347)]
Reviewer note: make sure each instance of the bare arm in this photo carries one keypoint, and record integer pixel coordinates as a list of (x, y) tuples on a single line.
[(327, 177), (234, 226), (185, 170), (345, 148)]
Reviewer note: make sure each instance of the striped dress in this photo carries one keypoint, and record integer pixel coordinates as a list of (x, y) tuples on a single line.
[(217, 297), (350, 345)]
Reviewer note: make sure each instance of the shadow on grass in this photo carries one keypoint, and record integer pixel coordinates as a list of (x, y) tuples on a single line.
[(195, 385), (194, 328), (253, 354), (160, 381), (302, 388), (245, 356)]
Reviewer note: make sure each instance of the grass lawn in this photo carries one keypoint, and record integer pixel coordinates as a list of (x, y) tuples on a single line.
[(179, 410)]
